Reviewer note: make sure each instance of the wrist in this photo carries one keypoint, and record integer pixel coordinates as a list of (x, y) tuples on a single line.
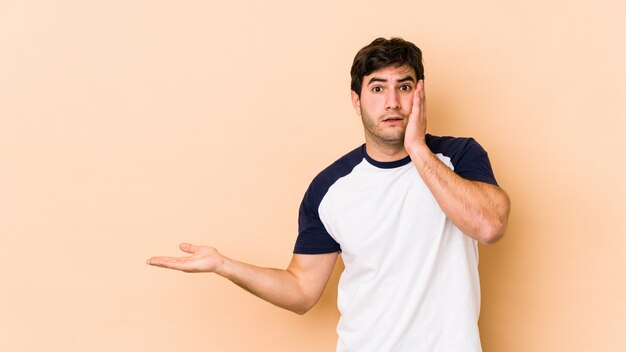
[(223, 266), (418, 150)]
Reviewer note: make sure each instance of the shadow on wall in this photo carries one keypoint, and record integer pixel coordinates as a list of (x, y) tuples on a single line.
[(327, 304), (499, 272)]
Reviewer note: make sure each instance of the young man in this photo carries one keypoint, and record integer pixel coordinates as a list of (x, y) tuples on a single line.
[(405, 210)]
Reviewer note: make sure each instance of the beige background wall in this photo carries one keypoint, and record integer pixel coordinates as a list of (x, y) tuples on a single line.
[(129, 126)]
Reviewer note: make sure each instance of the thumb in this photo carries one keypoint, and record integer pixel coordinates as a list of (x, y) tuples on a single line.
[(188, 247)]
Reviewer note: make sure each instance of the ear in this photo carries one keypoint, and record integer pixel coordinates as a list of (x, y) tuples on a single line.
[(356, 102)]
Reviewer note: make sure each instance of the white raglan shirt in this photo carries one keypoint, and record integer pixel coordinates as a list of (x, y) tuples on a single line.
[(410, 281)]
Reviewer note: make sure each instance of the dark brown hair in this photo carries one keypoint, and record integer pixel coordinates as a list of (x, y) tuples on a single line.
[(382, 53)]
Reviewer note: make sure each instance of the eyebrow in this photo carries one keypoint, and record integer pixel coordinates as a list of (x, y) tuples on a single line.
[(405, 79)]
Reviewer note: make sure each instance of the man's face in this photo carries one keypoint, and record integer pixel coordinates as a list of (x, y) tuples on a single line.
[(385, 103)]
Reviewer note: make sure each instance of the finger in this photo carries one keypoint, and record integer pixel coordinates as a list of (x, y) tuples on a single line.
[(188, 247), (422, 93), (167, 262), (420, 89), (415, 108)]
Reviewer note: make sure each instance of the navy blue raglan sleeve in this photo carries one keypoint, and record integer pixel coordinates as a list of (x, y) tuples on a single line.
[(473, 163), (467, 156), (312, 235)]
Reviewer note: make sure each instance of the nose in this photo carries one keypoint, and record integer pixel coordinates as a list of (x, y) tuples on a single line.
[(393, 101)]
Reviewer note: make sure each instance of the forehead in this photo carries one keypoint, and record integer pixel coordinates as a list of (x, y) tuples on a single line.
[(391, 73)]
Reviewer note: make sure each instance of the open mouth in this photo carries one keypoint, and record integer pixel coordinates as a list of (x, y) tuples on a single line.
[(393, 119)]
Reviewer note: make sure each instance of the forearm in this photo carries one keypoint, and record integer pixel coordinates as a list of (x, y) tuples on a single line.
[(478, 209), (277, 286), (297, 289)]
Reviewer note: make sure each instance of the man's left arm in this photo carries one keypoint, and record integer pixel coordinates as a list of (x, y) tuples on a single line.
[(480, 210)]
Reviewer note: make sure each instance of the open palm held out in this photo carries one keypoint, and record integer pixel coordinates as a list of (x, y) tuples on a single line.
[(202, 259)]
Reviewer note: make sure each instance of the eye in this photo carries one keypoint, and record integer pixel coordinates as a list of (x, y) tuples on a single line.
[(377, 89), (405, 87)]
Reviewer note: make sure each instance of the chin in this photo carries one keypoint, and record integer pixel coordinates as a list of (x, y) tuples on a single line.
[(393, 141)]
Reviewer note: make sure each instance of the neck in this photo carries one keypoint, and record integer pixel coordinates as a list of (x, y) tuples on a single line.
[(385, 152)]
